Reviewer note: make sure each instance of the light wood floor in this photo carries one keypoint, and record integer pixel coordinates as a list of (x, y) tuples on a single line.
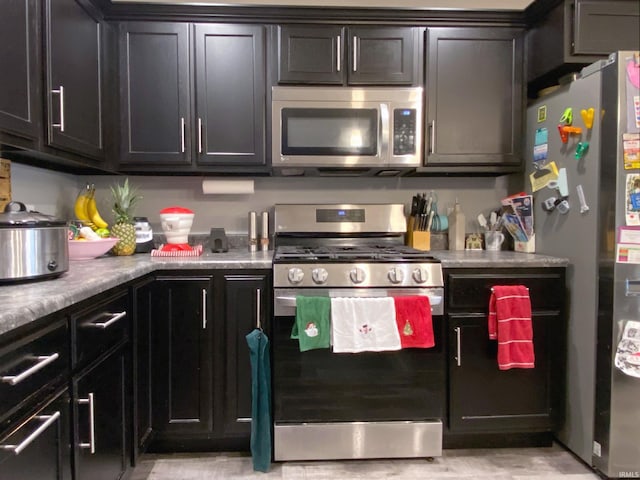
[(551, 463)]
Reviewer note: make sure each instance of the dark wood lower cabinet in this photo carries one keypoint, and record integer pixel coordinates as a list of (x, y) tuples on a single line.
[(48, 455), (100, 413), (200, 358), (484, 398)]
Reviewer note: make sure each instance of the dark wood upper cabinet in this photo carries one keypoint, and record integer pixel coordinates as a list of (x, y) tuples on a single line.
[(474, 99), (155, 94), (73, 77), (365, 55), (575, 33), (19, 54), (230, 94), (192, 97)]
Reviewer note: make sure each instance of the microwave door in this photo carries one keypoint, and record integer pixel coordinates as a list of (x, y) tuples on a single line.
[(330, 134)]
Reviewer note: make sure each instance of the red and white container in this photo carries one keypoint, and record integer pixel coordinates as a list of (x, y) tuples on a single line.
[(176, 224)]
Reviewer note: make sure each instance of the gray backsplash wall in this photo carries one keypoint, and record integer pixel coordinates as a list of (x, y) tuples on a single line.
[(54, 193), (230, 211)]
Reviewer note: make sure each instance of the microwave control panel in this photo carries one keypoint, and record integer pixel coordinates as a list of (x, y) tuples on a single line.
[(404, 131)]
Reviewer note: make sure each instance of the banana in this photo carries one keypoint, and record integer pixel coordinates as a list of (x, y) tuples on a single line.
[(94, 215), (80, 206)]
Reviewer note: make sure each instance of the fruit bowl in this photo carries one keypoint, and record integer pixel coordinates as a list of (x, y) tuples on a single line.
[(87, 249)]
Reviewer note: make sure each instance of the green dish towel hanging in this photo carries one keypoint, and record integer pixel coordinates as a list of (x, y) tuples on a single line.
[(260, 400), (312, 325)]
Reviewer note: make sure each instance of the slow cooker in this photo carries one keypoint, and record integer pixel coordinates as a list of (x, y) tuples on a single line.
[(32, 245)]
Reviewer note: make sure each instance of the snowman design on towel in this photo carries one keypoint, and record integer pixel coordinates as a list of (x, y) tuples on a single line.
[(364, 329), (311, 330)]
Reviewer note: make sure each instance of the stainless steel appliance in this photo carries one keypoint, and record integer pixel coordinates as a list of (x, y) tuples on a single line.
[(365, 405), (602, 412), (144, 235), (359, 131), (32, 245)]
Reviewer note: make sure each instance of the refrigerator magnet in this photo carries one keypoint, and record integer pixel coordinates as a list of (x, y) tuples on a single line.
[(542, 113), (632, 185), (541, 146), (631, 150)]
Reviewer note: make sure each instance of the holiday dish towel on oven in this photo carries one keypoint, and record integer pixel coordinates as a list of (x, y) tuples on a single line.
[(364, 325), (311, 327), (510, 324), (415, 325)]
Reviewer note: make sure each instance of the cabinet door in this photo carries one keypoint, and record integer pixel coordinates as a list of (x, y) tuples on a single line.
[(474, 97), (74, 87), (383, 55), (20, 70), (600, 28), (47, 455), (230, 94), (246, 302), (154, 84), (483, 398), (181, 356), (311, 54), (100, 425)]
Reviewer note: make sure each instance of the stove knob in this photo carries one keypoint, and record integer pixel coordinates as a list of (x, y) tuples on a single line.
[(420, 275), (295, 275), (396, 275), (319, 275), (357, 275)]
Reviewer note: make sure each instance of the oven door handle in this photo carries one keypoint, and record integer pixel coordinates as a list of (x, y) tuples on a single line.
[(291, 301)]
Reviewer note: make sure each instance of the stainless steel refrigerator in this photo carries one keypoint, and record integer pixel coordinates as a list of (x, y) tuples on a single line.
[(602, 397)]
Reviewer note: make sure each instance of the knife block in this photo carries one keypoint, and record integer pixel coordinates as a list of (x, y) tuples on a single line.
[(419, 240)]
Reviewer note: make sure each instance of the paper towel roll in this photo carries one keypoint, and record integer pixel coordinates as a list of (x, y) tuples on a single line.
[(227, 187)]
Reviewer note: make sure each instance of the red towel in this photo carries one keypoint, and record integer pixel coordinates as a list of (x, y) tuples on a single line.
[(413, 317), (510, 323)]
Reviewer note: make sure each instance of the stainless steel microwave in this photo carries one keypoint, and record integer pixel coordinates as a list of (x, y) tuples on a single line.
[(337, 129)]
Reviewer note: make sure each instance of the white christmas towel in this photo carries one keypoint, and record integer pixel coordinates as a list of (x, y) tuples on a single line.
[(364, 325)]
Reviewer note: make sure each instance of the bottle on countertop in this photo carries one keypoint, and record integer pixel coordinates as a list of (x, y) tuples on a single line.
[(456, 228)]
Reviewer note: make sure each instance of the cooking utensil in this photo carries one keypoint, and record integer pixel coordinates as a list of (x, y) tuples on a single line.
[(32, 245), (482, 220)]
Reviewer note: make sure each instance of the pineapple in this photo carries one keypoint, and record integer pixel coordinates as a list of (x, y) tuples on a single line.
[(124, 200)]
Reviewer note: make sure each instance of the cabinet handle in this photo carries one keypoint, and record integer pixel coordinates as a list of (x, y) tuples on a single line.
[(199, 135), (60, 91), (204, 308), (48, 420), (458, 352), (355, 53), (43, 361), (182, 133), (114, 318), (338, 59), (92, 424), (243, 420), (258, 318), (432, 143)]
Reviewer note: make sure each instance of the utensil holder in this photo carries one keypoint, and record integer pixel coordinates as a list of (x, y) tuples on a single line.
[(419, 240)]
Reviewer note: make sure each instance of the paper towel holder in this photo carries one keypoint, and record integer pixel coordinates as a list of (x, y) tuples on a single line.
[(218, 240)]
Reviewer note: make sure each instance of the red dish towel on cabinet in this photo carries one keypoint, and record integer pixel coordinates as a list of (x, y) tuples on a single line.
[(510, 324), (413, 317)]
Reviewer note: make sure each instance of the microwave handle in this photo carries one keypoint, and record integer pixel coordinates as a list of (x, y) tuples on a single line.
[(384, 128)]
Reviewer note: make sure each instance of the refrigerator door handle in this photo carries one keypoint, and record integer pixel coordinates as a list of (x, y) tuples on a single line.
[(633, 287)]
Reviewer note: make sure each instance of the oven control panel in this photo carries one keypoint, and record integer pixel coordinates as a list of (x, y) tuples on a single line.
[(360, 275)]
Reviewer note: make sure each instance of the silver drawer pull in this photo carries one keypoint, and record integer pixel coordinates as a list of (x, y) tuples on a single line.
[(43, 361), (92, 424), (114, 318), (258, 319), (243, 420), (48, 420)]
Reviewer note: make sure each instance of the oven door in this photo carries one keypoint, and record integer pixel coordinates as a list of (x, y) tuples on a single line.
[(332, 400)]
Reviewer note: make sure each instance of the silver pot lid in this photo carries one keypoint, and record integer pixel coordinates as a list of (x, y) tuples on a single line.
[(16, 216)]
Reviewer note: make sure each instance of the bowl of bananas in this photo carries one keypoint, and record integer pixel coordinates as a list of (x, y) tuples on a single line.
[(89, 237)]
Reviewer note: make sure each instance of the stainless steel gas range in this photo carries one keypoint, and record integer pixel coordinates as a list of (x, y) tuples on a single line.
[(366, 405)]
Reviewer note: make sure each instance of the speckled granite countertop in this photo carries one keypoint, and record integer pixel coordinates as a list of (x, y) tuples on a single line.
[(485, 259), (23, 303)]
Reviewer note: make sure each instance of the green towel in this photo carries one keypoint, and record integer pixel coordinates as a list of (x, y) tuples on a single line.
[(260, 400), (311, 327)]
